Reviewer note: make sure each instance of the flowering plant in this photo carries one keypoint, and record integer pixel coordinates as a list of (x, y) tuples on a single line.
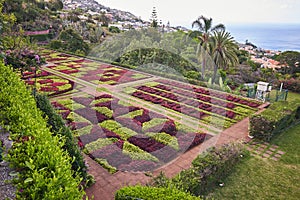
[(23, 59)]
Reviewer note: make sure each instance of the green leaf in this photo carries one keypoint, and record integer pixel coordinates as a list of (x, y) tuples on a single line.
[(29, 165), (28, 180)]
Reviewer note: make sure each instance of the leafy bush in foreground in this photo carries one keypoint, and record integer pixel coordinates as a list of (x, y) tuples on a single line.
[(44, 169), (58, 127), (150, 193), (207, 170), (274, 119)]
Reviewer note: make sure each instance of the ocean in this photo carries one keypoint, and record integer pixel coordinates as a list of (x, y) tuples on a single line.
[(268, 36)]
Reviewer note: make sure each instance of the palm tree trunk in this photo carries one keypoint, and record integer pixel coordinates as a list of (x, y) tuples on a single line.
[(203, 69), (215, 74)]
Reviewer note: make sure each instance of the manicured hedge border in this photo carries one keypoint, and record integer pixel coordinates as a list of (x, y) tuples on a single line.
[(150, 193), (58, 127), (207, 170), (44, 169), (276, 118)]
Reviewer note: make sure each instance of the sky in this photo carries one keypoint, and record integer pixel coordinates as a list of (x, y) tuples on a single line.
[(228, 12)]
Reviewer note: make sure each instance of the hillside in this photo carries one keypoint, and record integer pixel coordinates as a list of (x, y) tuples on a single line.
[(94, 6)]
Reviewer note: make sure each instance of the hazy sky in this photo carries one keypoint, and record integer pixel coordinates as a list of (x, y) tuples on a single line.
[(222, 11)]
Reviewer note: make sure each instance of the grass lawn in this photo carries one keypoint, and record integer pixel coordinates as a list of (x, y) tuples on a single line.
[(259, 178)]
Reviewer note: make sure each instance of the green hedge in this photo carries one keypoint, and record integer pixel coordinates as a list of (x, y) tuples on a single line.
[(44, 169), (58, 127), (207, 170), (273, 120), (151, 193)]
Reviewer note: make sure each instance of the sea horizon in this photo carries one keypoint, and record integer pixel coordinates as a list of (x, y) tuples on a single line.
[(268, 36), (279, 37)]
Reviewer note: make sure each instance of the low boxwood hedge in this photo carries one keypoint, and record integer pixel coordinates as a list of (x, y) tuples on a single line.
[(277, 117), (44, 168), (151, 193)]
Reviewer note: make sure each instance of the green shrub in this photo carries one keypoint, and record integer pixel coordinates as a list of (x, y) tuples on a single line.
[(98, 144), (110, 125), (153, 122), (273, 120), (150, 193), (125, 133), (136, 153), (44, 168), (207, 170), (58, 127), (105, 111), (165, 138)]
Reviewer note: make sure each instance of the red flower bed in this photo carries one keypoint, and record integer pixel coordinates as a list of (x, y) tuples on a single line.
[(65, 114), (45, 81), (58, 84), (79, 61), (49, 89), (104, 96), (29, 82), (143, 118), (68, 71), (28, 73), (58, 106)]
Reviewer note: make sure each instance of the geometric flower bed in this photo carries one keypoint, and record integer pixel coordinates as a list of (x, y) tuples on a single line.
[(125, 137), (48, 83), (90, 71), (196, 102), (121, 136)]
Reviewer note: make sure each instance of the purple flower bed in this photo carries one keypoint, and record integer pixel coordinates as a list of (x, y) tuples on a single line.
[(169, 127), (147, 144), (78, 125), (93, 116), (88, 138), (83, 100), (113, 154), (165, 154), (120, 110), (130, 123), (143, 118), (189, 140)]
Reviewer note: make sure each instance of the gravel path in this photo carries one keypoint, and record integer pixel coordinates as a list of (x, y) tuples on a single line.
[(7, 190)]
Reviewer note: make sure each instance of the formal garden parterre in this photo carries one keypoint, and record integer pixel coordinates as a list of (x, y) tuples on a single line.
[(90, 71), (117, 133), (125, 137), (212, 107)]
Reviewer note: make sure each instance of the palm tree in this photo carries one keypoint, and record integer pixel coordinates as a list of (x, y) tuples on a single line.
[(204, 25), (223, 49), (206, 29)]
